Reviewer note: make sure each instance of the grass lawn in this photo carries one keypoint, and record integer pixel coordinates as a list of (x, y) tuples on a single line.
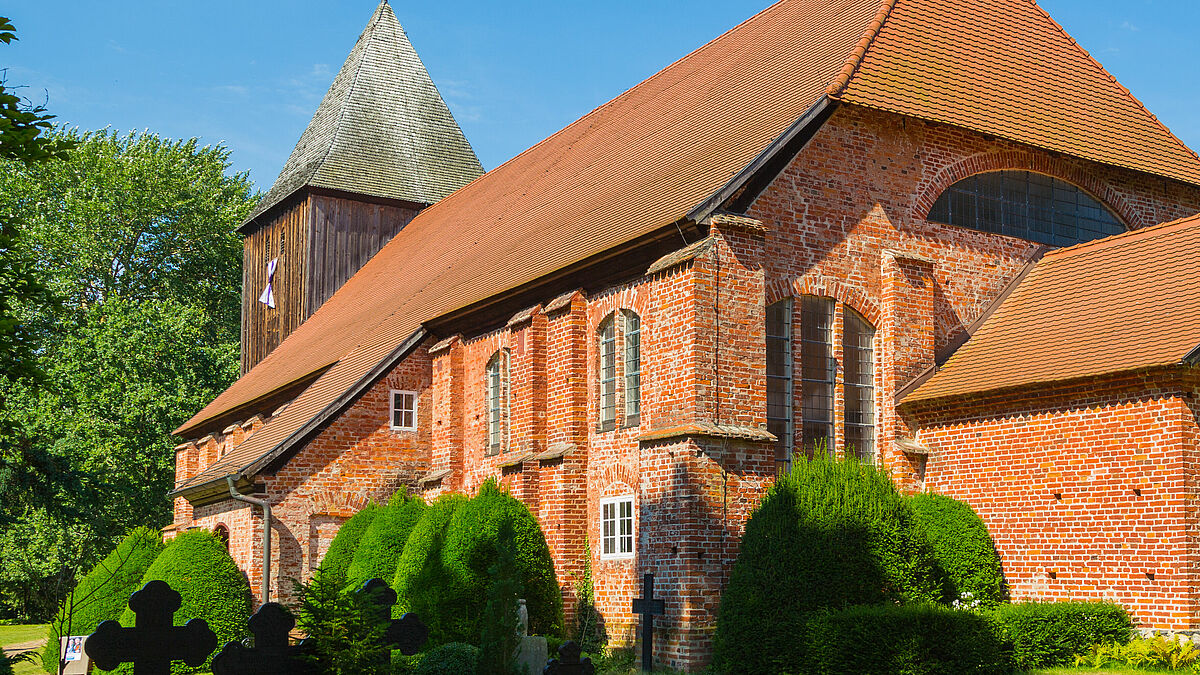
[(12, 635)]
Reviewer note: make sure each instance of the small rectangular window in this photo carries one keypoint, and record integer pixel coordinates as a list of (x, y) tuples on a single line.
[(616, 527), (404, 410)]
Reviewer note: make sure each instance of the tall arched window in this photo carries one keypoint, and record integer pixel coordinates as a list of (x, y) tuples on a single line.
[(803, 386), (619, 367), (859, 377), (1027, 205), (497, 401)]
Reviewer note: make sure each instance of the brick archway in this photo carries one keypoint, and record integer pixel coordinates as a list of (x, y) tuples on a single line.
[(819, 284), (1014, 160)]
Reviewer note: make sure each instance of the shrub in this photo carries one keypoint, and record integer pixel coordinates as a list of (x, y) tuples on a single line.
[(1145, 653), (963, 549), (501, 622), (383, 541), (197, 565), (422, 583), (445, 577), (913, 640), (344, 627), (827, 536), (341, 550), (454, 658), (1049, 634), (101, 594)]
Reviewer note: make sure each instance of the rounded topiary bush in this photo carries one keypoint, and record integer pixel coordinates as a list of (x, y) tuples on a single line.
[(454, 658), (422, 583), (963, 549), (383, 541), (101, 594), (336, 562), (196, 564), (827, 536), (445, 577)]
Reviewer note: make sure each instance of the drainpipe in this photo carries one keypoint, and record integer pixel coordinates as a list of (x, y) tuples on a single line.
[(266, 536)]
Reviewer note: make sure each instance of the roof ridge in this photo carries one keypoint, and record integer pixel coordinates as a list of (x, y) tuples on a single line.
[(369, 32), (1123, 238), (612, 101), (850, 66), (1114, 80)]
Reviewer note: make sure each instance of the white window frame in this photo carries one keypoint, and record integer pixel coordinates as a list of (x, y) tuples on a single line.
[(392, 410), (618, 537)]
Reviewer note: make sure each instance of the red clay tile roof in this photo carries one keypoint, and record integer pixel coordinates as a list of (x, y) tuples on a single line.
[(645, 160), (1004, 67), (631, 166), (1120, 303)]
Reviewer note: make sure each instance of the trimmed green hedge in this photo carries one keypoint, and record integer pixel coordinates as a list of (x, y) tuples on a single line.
[(454, 658), (963, 549), (903, 640), (336, 562), (1049, 634), (422, 583), (443, 574), (196, 564), (101, 595), (829, 535), (383, 541)]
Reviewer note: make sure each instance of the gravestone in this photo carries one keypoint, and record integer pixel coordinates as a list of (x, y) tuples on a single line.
[(154, 642), (568, 661), (272, 653), (531, 651), (648, 606)]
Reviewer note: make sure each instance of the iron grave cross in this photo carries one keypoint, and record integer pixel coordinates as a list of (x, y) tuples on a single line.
[(272, 653), (153, 642), (648, 606)]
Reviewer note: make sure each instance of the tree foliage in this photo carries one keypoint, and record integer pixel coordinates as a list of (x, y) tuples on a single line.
[(383, 542), (345, 543), (104, 592), (132, 238), (345, 626)]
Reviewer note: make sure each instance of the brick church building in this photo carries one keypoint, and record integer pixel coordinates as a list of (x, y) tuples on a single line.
[(935, 234)]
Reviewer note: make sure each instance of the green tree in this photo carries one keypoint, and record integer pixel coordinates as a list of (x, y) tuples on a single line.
[(132, 236)]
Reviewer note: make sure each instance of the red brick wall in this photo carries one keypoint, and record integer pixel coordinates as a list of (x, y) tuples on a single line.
[(1088, 489), (846, 220)]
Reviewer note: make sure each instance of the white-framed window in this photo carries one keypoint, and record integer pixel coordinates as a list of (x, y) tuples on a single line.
[(616, 527), (404, 410)]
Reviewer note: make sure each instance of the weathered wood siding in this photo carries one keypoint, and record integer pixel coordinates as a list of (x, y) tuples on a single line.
[(345, 234), (321, 241), (285, 235)]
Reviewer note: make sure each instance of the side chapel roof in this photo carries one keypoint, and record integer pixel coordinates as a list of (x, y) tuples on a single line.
[(382, 129), (652, 155), (1116, 304)]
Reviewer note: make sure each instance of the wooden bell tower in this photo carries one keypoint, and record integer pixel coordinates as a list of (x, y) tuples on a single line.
[(381, 146)]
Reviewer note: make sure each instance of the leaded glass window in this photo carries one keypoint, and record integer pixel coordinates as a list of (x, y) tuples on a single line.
[(779, 380), (858, 357), (1027, 205), (817, 370), (497, 393), (633, 368), (608, 373)]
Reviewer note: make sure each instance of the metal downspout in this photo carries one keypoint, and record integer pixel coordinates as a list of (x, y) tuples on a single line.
[(265, 590)]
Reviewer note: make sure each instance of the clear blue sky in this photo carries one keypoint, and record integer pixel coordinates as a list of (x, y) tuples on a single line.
[(251, 72)]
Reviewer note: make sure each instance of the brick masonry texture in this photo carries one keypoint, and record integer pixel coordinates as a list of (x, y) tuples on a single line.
[(846, 219)]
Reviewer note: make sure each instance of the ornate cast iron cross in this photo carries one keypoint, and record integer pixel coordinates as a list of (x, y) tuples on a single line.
[(648, 606), (272, 654), (153, 643), (408, 632)]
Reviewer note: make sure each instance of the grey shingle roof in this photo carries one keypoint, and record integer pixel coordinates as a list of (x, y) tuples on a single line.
[(382, 129)]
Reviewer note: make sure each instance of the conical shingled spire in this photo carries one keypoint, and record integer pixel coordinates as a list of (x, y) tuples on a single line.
[(382, 129)]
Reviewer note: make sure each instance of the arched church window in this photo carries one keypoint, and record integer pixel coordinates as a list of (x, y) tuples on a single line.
[(1025, 204), (859, 359), (497, 400), (805, 337), (619, 348)]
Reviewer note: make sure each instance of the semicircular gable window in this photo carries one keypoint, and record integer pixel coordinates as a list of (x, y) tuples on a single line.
[(1027, 205)]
